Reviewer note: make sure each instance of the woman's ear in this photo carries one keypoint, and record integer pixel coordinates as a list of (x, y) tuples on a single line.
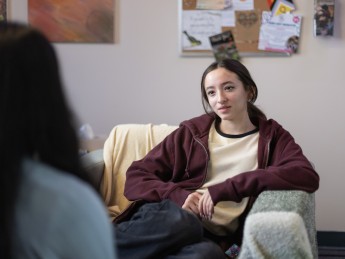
[(251, 93)]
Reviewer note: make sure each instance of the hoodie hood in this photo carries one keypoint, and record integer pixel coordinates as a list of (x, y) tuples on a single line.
[(199, 126)]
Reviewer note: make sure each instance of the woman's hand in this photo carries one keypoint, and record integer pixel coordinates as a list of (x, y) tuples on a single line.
[(192, 202), (206, 206)]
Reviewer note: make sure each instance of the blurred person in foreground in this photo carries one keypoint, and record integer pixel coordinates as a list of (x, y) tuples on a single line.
[(48, 209)]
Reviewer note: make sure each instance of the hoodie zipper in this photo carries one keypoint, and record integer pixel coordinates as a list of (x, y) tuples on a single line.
[(207, 161), (266, 155)]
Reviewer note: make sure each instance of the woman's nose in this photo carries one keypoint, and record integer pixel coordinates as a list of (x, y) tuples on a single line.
[(221, 98)]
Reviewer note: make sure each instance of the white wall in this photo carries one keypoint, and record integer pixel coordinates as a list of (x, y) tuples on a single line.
[(142, 79)]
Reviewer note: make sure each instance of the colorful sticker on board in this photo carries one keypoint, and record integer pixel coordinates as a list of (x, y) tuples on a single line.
[(282, 6)]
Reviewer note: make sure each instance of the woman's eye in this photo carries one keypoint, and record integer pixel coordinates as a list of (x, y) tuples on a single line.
[(210, 93), (229, 88)]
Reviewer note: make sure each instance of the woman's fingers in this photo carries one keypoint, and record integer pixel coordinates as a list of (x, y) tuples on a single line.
[(206, 206), (192, 203)]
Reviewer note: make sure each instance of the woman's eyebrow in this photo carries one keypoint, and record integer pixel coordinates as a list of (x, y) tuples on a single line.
[(222, 84)]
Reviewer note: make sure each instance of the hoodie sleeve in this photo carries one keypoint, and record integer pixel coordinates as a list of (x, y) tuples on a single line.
[(286, 169), (158, 175)]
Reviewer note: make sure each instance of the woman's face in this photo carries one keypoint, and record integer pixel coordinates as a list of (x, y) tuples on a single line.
[(226, 94)]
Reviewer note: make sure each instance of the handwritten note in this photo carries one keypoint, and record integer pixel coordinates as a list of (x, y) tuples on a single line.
[(213, 4), (197, 27)]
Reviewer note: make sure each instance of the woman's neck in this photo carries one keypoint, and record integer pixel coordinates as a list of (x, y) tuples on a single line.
[(236, 128)]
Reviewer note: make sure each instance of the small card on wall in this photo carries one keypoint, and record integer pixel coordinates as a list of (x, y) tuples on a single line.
[(223, 46), (323, 17)]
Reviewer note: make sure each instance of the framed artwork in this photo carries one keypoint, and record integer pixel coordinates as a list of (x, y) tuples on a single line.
[(77, 21), (3, 10)]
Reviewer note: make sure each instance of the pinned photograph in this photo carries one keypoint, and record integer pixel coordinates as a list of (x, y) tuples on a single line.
[(324, 17)]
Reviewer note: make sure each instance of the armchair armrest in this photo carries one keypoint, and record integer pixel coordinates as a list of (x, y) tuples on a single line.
[(281, 224), (93, 163)]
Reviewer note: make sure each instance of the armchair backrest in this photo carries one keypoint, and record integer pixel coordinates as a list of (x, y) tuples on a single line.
[(125, 144)]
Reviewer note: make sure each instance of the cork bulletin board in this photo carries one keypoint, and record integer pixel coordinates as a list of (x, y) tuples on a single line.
[(197, 25)]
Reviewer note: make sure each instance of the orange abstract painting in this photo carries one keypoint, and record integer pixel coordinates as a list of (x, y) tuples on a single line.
[(89, 21)]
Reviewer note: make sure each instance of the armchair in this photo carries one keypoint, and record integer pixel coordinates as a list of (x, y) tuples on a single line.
[(281, 224)]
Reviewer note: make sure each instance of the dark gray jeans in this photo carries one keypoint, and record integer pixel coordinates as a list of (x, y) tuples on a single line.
[(164, 230)]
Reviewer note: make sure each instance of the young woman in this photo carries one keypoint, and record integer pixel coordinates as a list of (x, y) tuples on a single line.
[(210, 170), (47, 208)]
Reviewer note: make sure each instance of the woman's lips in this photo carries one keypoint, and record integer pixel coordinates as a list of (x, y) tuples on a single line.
[(224, 108)]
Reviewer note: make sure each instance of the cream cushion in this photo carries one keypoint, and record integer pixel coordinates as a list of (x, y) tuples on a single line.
[(125, 144)]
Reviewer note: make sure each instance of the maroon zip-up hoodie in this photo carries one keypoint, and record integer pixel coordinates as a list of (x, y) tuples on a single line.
[(178, 166)]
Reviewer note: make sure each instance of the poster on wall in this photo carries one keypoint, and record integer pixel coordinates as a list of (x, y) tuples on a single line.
[(76, 21), (3, 8), (280, 33)]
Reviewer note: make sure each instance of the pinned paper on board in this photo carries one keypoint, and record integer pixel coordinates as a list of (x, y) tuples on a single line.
[(247, 30), (213, 4), (243, 5), (280, 33), (228, 18)]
